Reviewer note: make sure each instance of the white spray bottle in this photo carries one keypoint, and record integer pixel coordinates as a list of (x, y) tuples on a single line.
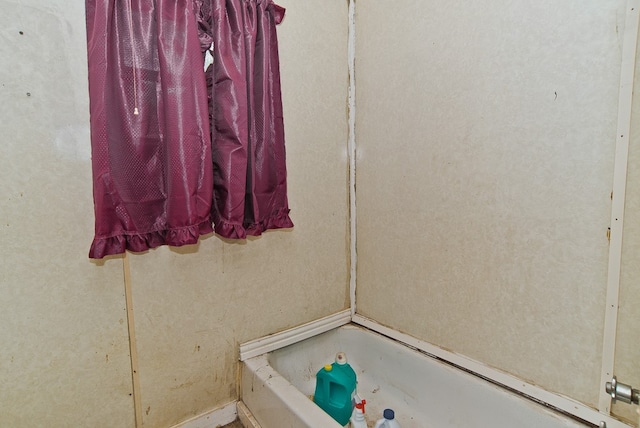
[(357, 418)]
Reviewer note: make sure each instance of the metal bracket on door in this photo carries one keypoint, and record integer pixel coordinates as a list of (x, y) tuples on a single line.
[(622, 392)]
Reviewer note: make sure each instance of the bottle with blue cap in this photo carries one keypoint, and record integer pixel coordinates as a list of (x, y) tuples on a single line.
[(388, 420), (335, 389)]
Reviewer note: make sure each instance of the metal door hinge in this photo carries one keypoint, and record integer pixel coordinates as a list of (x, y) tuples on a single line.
[(622, 392)]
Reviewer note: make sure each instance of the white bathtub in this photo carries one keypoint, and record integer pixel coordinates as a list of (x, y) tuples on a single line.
[(423, 391)]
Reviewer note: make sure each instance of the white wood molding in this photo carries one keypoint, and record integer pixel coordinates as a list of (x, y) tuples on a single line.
[(293, 335), (351, 52), (627, 71), (560, 402), (133, 348)]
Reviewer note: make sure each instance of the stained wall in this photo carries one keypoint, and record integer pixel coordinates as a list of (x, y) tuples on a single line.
[(485, 156), (64, 359), (486, 136)]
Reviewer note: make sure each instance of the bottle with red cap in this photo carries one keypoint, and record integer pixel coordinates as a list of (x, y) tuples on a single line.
[(357, 419)]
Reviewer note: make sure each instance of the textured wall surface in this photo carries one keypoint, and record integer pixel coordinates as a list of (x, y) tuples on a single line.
[(486, 134), (64, 359)]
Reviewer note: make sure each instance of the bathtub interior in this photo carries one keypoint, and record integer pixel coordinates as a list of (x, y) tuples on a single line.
[(424, 392)]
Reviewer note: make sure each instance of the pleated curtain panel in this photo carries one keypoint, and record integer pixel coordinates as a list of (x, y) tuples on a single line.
[(179, 151)]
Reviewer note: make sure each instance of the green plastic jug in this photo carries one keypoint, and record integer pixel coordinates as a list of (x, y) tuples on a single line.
[(335, 388)]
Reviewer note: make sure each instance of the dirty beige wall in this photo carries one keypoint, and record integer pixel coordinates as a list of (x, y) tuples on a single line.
[(486, 135), (64, 359)]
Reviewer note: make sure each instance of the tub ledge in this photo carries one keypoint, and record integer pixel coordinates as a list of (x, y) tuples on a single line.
[(274, 401)]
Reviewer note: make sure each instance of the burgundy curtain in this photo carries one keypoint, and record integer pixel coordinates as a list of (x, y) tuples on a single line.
[(173, 151), (250, 190)]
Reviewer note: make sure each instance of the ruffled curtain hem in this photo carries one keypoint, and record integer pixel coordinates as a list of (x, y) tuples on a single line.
[(177, 237), (279, 220), (138, 242)]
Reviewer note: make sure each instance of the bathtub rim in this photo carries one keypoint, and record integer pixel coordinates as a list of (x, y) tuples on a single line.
[(258, 373), (554, 401)]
